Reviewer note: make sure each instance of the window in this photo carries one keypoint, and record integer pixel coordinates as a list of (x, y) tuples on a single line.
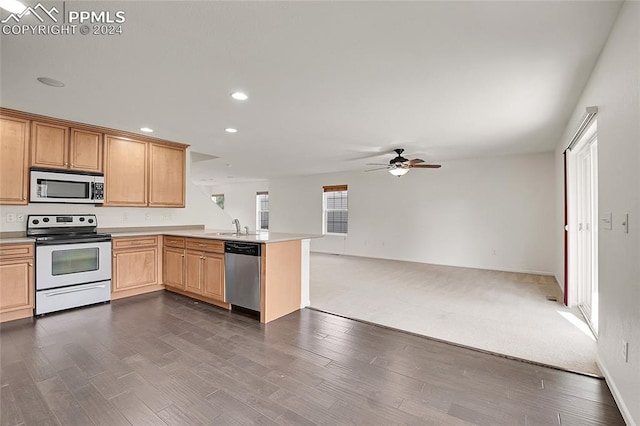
[(336, 214), (262, 219), (218, 199)]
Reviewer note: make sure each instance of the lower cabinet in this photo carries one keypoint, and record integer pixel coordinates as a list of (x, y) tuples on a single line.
[(16, 281), (213, 276), (135, 267), (174, 261), (195, 267)]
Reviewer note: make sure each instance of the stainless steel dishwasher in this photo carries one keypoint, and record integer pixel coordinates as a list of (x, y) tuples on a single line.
[(242, 274)]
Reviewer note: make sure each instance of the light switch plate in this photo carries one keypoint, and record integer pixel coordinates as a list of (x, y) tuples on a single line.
[(625, 223), (607, 221)]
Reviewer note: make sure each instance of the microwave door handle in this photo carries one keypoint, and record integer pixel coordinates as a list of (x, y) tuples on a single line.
[(92, 190)]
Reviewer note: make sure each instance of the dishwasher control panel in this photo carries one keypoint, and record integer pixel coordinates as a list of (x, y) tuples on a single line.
[(239, 247)]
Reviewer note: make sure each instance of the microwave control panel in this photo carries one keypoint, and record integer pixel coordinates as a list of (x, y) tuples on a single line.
[(98, 191)]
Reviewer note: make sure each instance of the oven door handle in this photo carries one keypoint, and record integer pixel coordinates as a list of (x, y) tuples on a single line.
[(73, 290), (73, 241)]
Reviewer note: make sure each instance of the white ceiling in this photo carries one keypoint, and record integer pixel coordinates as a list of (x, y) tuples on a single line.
[(329, 82)]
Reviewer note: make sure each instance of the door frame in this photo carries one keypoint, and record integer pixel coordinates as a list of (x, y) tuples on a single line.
[(588, 140)]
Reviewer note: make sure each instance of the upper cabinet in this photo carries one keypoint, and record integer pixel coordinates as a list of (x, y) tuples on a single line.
[(85, 150), (166, 175), (14, 160), (61, 147), (125, 172), (139, 173)]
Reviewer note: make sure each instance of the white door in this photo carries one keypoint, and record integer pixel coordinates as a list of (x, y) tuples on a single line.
[(585, 224)]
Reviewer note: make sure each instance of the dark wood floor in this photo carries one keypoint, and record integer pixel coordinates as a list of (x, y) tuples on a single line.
[(163, 358)]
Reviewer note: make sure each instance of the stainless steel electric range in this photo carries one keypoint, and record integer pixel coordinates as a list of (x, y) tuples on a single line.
[(73, 261)]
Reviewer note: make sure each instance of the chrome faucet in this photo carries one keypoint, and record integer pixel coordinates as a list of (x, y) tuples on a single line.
[(236, 222)]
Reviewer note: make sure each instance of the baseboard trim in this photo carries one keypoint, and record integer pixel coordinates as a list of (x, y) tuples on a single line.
[(485, 268), (626, 415), (460, 345)]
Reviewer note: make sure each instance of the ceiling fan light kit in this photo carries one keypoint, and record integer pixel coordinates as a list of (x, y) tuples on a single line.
[(400, 166), (398, 171)]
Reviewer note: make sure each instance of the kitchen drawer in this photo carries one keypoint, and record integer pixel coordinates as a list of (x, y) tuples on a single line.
[(177, 242), (13, 251), (215, 246), (134, 242)]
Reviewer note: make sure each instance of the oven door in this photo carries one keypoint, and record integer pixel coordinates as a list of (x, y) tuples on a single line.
[(62, 265)]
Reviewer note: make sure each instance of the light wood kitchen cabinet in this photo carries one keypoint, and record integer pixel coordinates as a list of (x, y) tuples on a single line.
[(166, 176), (139, 173), (135, 266), (204, 274), (16, 281), (203, 263), (85, 151), (213, 276), (60, 147), (193, 271), (49, 145), (174, 262), (125, 172), (14, 160)]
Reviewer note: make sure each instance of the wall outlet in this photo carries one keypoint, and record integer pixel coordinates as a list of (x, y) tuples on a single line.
[(147, 216), (20, 217), (125, 217), (11, 217)]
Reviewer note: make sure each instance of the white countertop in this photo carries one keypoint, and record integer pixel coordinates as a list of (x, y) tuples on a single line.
[(17, 240), (217, 234), (213, 234)]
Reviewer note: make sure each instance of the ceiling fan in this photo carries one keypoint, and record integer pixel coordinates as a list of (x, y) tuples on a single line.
[(400, 166)]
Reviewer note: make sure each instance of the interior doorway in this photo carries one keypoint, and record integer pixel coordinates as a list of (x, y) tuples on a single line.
[(583, 226)]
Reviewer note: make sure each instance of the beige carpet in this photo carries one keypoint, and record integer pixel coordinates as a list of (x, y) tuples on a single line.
[(501, 312)]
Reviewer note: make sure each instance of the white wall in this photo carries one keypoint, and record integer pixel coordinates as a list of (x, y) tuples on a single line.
[(614, 87), (492, 213), (199, 210), (240, 201)]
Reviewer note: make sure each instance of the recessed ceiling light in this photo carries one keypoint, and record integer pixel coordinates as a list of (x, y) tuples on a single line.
[(239, 96), (146, 129), (50, 82), (231, 130), (12, 6)]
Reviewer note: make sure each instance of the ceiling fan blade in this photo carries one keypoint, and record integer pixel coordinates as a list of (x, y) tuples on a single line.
[(377, 164), (415, 161), (379, 168), (425, 166)]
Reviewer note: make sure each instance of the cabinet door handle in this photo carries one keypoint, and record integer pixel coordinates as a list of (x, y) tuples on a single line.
[(114, 256), (30, 265)]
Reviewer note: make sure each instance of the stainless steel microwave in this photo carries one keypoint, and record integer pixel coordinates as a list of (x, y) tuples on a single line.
[(49, 186)]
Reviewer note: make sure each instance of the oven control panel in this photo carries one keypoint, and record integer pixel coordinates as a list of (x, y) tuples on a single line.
[(38, 221)]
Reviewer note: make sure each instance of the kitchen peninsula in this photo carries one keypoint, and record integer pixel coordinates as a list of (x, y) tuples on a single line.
[(191, 262)]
